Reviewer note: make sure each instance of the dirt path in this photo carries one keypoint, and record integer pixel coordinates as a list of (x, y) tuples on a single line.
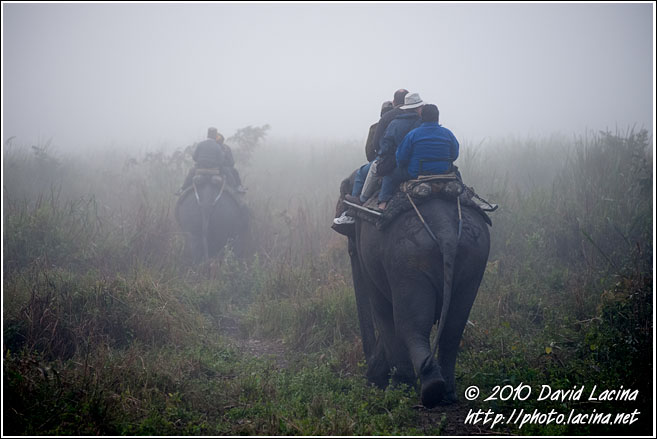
[(452, 417), (271, 349)]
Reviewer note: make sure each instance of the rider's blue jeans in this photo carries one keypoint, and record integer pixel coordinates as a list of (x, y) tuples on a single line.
[(359, 179), (391, 182)]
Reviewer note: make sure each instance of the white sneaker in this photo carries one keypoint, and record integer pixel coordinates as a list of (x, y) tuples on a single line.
[(344, 219), (486, 206)]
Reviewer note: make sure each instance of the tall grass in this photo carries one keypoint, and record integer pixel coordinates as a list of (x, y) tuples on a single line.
[(107, 330)]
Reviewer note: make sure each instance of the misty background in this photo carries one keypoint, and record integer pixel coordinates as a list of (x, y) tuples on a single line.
[(110, 329), (86, 75)]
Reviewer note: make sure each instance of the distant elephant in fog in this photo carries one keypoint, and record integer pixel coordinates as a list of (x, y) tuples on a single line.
[(405, 282), (211, 217)]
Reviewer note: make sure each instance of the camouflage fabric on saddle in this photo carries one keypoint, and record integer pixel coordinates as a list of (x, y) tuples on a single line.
[(421, 190)]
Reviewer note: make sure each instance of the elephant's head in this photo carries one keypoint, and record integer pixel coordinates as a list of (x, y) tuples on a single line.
[(211, 217), (208, 189)]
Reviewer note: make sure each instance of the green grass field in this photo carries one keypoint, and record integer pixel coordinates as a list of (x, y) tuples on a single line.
[(107, 331)]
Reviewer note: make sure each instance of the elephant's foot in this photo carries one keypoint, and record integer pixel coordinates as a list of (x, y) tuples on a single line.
[(434, 387), (433, 392), (378, 372), (449, 398)]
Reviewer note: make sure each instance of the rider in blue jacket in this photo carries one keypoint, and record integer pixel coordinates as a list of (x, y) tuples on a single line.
[(427, 150)]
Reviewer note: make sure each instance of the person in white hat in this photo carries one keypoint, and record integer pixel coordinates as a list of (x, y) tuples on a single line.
[(393, 136), (382, 126)]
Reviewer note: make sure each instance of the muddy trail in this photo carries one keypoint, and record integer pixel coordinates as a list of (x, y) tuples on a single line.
[(229, 327), (451, 418)]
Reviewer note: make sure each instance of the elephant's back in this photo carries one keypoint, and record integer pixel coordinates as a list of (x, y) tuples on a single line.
[(438, 217)]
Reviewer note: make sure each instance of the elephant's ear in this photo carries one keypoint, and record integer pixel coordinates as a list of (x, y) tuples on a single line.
[(345, 188), (347, 184)]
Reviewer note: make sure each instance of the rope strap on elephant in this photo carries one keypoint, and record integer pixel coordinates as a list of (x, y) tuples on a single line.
[(424, 223)]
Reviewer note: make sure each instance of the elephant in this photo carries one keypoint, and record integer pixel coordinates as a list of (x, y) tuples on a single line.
[(211, 216), (405, 282)]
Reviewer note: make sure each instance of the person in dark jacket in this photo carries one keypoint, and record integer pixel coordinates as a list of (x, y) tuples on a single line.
[(382, 125), (361, 173), (370, 151), (228, 166), (370, 144), (208, 154), (388, 113), (402, 118), (394, 135), (429, 149)]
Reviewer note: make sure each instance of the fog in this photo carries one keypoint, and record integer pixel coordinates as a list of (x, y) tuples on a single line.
[(87, 75)]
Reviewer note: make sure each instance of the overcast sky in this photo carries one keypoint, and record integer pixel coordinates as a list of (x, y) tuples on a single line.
[(91, 74)]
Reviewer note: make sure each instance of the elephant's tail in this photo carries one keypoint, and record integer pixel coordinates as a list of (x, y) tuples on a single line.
[(449, 255)]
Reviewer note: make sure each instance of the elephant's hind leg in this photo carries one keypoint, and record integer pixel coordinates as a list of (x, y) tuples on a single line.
[(462, 300), (390, 354), (363, 290), (414, 305)]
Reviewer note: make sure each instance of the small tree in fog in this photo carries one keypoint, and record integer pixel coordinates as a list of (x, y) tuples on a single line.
[(245, 141)]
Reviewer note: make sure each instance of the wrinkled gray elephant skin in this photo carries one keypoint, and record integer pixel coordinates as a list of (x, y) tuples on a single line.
[(400, 277), (210, 217)]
